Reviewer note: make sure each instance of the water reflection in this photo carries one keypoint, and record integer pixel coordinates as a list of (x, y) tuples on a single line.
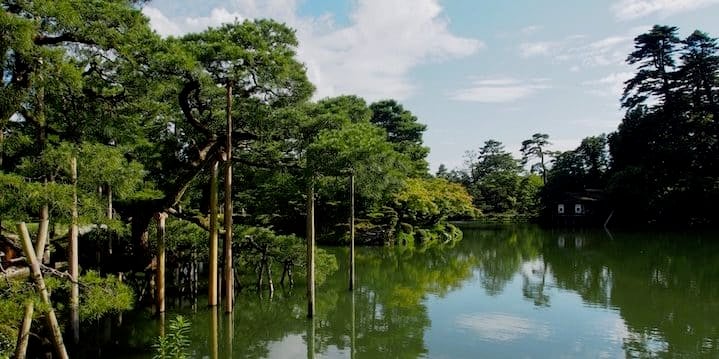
[(509, 292)]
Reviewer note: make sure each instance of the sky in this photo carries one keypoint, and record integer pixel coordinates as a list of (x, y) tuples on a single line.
[(471, 70)]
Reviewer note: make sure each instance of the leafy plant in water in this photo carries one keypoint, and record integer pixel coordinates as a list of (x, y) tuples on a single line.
[(174, 344)]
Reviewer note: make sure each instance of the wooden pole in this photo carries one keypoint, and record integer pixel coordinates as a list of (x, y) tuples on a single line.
[(311, 333), (214, 329), (74, 255), (352, 231), (24, 335), (42, 231), (42, 290), (212, 300), (310, 249), (160, 217), (228, 272), (354, 332), (230, 322)]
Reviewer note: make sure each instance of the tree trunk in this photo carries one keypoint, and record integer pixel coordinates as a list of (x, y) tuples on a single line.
[(229, 274), (213, 235), (310, 250), (109, 201), (42, 290), (352, 231), (74, 255), (2, 144), (269, 277), (160, 217)]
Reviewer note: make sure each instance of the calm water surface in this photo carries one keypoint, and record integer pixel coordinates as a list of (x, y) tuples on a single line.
[(517, 292)]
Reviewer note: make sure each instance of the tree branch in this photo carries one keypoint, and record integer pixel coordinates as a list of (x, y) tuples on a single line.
[(184, 99)]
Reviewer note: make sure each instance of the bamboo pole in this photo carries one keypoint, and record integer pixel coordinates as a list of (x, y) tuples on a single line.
[(310, 250), (353, 344), (212, 300), (160, 217), (230, 338), (24, 334), (43, 257), (311, 333), (229, 274), (352, 231), (214, 329), (42, 290), (73, 260)]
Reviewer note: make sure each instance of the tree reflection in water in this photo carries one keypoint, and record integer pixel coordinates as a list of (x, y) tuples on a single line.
[(660, 291)]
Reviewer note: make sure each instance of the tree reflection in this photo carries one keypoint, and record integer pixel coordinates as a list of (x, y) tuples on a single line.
[(664, 286)]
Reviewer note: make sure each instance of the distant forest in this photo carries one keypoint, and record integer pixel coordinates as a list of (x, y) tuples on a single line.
[(660, 167)]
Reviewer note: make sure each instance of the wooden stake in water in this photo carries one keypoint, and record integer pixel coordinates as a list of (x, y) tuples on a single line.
[(212, 300), (310, 250), (352, 231), (229, 274)]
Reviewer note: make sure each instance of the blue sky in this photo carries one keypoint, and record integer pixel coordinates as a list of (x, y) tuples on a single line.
[(470, 69)]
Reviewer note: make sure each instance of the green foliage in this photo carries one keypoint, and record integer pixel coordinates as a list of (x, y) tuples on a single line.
[(103, 295), (536, 147), (403, 131), (426, 202), (13, 296), (176, 343)]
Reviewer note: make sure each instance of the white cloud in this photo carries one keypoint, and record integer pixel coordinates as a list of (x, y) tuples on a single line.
[(499, 90), (603, 52), (371, 57), (173, 27), (542, 48), (160, 23), (611, 85), (633, 9)]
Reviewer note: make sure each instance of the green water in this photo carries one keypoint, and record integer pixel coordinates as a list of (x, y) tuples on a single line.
[(500, 293)]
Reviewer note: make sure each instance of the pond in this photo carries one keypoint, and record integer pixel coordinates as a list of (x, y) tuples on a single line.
[(502, 292)]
